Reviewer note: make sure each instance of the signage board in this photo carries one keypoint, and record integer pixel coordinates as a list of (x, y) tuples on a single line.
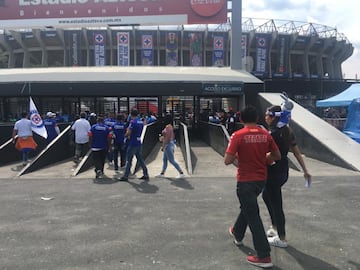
[(222, 88), (82, 13)]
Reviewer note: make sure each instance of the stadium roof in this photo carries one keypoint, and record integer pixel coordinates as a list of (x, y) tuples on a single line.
[(127, 74), (127, 81)]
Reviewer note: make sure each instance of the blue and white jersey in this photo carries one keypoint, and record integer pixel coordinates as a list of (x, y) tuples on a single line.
[(119, 129), (50, 125), (100, 134), (136, 127)]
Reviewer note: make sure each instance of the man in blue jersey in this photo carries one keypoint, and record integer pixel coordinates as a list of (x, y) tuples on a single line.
[(100, 141), (133, 134), (51, 126), (119, 129)]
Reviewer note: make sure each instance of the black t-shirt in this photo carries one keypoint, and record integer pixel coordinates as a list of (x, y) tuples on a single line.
[(284, 144)]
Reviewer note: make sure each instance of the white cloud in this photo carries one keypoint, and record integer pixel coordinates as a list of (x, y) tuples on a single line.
[(343, 15)]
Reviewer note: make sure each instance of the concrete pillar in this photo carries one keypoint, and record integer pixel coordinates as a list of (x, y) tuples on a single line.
[(236, 33)]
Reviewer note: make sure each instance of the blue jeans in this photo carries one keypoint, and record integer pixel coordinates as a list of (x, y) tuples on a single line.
[(130, 153), (119, 148), (169, 156), (247, 193)]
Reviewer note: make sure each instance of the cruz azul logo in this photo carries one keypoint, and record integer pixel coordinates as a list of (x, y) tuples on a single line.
[(35, 119), (207, 8)]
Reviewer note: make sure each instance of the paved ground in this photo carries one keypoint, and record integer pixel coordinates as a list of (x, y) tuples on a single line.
[(170, 224)]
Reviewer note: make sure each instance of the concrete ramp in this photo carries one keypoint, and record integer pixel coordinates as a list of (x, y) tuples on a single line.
[(59, 149), (317, 138)]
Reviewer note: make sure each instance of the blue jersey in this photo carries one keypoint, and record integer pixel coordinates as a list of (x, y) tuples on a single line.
[(136, 126), (119, 132), (100, 134), (109, 122), (50, 125)]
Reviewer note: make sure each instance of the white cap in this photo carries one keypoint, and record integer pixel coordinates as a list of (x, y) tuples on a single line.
[(50, 114), (93, 114)]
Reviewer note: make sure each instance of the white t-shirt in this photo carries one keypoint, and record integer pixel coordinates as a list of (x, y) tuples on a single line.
[(81, 127), (23, 127)]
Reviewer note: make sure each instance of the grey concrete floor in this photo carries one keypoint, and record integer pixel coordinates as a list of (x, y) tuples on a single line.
[(170, 224)]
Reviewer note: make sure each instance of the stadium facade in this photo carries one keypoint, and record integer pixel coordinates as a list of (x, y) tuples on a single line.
[(303, 59), (270, 48)]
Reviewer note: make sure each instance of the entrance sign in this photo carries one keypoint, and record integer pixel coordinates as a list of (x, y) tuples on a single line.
[(81, 13), (222, 88)]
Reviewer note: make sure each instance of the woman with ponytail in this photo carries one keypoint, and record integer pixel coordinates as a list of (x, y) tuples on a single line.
[(278, 172)]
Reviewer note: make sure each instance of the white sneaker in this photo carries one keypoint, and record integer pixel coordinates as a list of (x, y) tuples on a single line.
[(180, 176), (160, 175), (277, 242), (271, 232)]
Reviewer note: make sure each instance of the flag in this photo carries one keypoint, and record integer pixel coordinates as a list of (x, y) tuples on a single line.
[(37, 124)]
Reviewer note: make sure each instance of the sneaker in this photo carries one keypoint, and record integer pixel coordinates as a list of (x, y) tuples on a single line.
[(144, 177), (180, 176), (236, 242), (277, 242), (261, 262), (160, 175), (271, 232), (123, 178), (98, 174)]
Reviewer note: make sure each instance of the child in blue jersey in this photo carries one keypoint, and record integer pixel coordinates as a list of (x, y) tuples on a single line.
[(100, 140), (51, 127), (133, 134), (119, 129)]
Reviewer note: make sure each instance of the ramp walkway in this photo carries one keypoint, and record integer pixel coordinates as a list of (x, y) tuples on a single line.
[(317, 138)]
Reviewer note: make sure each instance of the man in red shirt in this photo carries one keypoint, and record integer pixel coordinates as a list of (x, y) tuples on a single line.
[(253, 147)]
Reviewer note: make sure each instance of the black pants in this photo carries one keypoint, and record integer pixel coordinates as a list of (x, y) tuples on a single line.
[(272, 196), (99, 159), (247, 193)]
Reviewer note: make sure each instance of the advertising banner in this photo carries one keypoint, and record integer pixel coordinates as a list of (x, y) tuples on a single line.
[(196, 49), (74, 45), (244, 44), (172, 48), (218, 51), (261, 55), (99, 48), (123, 44), (283, 56), (147, 55), (69, 13)]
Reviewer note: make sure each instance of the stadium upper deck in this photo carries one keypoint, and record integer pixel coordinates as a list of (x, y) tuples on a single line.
[(271, 48)]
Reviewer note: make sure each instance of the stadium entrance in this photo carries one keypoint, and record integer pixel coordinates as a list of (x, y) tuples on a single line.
[(183, 92)]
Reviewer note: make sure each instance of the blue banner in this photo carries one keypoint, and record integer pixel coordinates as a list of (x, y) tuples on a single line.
[(123, 44), (99, 48), (172, 48), (261, 55), (147, 55), (218, 51)]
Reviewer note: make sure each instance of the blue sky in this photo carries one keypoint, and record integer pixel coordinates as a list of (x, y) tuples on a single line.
[(342, 15)]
